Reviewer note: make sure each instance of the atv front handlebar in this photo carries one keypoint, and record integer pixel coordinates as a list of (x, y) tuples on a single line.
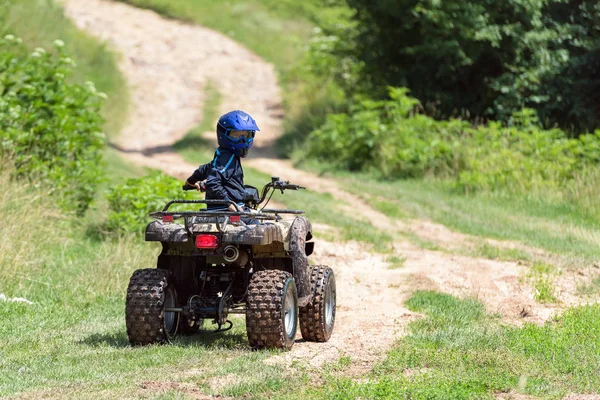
[(275, 184)]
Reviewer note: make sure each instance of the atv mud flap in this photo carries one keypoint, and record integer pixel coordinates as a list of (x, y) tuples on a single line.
[(300, 232)]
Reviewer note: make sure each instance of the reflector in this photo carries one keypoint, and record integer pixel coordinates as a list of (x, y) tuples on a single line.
[(234, 218), (167, 218), (207, 241)]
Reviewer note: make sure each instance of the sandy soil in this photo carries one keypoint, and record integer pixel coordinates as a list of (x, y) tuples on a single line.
[(167, 65)]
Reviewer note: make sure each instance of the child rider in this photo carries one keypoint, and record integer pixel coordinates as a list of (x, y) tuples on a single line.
[(224, 175)]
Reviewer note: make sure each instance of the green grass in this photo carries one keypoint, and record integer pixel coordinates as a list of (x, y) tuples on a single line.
[(396, 262), (544, 222), (542, 277), (591, 289), (116, 171), (72, 342), (40, 22), (505, 254), (458, 352)]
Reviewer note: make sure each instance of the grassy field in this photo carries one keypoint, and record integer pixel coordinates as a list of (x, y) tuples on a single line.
[(457, 351), (71, 342), (538, 223), (40, 22), (545, 222)]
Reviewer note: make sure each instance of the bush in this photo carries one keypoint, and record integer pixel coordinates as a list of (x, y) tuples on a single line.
[(524, 157), (131, 202), (40, 22), (389, 137), (49, 128)]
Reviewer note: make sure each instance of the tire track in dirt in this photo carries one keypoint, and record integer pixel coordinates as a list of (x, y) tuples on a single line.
[(167, 64)]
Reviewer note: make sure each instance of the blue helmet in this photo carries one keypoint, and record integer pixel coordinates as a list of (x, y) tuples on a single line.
[(236, 121)]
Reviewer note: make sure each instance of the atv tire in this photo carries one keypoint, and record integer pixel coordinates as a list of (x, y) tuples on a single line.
[(318, 317), (272, 314), (148, 294)]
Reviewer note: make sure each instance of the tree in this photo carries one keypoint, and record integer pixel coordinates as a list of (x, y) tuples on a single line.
[(477, 58)]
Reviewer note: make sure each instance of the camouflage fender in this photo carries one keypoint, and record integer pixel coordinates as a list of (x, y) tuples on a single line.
[(300, 230), (158, 232), (259, 235)]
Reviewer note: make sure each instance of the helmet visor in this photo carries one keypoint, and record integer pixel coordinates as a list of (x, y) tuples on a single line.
[(238, 136)]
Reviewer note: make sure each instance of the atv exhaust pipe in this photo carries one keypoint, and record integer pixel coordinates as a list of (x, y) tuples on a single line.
[(233, 255)]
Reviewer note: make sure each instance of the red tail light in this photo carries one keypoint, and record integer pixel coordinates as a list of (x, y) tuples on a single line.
[(207, 241), (167, 218), (234, 218)]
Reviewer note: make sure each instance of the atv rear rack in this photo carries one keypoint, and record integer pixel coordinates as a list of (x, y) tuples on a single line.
[(225, 216)]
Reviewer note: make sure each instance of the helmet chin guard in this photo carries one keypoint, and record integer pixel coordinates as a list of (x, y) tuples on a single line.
[(236, 121)]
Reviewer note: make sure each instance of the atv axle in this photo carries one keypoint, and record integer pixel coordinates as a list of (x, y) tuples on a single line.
[(207, 310)]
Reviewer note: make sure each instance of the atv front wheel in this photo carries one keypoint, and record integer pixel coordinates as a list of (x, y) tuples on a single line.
[(148, 294), (318, 317), (272, 314)]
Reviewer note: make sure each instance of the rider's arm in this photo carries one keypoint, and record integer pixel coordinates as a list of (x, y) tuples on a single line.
[(200, 174)]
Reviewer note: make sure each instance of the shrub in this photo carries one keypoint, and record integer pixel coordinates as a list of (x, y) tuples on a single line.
[(523, 157), (389, 137), (131, 202), (49, 128)]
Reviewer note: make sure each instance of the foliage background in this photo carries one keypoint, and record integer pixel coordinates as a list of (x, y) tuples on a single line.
[(481, 59), (131, 201), (50, 128)]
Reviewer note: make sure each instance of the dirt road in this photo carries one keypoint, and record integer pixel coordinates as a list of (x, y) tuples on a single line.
[(167, 64)]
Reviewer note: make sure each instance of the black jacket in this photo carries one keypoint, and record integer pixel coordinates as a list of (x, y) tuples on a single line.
[(224, 177)]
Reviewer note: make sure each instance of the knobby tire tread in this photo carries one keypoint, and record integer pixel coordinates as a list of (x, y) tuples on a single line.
[(264, 322), (144, 310), (312, 317)]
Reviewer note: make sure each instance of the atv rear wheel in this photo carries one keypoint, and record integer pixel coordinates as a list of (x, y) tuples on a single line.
[(272, 314), (148, 294), (318, 317)]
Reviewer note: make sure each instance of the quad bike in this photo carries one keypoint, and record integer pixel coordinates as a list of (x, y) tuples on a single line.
[(218, 263)]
